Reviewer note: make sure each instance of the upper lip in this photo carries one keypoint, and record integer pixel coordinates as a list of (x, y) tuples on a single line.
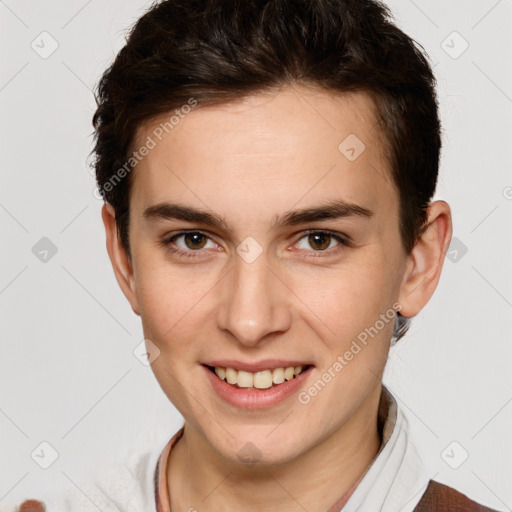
[(256, 366)]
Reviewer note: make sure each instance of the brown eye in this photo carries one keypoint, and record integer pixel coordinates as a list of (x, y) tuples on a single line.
[(195, 240), (319, 241), (190, 244)]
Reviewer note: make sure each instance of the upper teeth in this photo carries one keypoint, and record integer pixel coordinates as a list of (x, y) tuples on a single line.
[(261, 380)]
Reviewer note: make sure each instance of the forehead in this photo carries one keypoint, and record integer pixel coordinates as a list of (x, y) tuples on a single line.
[(272, 147)]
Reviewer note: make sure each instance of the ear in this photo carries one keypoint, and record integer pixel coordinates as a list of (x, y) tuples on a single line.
[(121, 262), (424, 264)]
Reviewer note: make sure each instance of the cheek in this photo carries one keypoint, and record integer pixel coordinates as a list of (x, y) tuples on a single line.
[(348, 299), (172, 302), (172, 310)]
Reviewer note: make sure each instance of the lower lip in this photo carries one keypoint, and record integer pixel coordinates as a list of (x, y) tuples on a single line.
[(251, 398)]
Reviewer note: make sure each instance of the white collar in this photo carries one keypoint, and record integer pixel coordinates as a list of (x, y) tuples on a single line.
[(397, 477)]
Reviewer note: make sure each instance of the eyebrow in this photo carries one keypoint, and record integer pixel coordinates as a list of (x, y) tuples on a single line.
[(331, 210)]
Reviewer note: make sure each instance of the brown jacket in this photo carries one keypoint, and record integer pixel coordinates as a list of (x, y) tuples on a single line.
[(441, 498)]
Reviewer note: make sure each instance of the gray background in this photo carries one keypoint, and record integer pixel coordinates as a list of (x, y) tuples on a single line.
[(68, 373)]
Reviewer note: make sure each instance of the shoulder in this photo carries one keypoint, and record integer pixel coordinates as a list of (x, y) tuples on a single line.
[(439, 497)]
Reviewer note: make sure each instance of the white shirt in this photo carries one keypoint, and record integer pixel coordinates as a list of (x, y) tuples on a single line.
[(394, 482), (397, 478)]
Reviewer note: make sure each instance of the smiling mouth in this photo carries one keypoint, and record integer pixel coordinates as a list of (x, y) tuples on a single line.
[(264, 379)]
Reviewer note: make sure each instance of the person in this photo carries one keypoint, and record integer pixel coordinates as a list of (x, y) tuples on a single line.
[(268, 169)]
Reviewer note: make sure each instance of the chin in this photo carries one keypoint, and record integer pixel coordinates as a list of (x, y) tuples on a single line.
[(261, 445)]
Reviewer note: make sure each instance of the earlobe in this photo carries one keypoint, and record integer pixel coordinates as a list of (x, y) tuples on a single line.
[(426, 260), (119, 258)]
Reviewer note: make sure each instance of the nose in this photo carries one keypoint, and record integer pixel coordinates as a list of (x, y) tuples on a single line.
[(254, 302)]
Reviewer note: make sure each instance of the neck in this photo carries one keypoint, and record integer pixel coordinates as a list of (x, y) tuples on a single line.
[(200, 478)]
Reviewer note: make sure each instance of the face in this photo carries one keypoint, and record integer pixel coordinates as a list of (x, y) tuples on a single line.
[(258, 243)]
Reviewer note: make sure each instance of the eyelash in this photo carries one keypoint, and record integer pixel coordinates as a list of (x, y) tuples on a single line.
[(343, 241)]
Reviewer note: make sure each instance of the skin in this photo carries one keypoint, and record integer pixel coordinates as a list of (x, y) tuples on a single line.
[(251, 161)]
